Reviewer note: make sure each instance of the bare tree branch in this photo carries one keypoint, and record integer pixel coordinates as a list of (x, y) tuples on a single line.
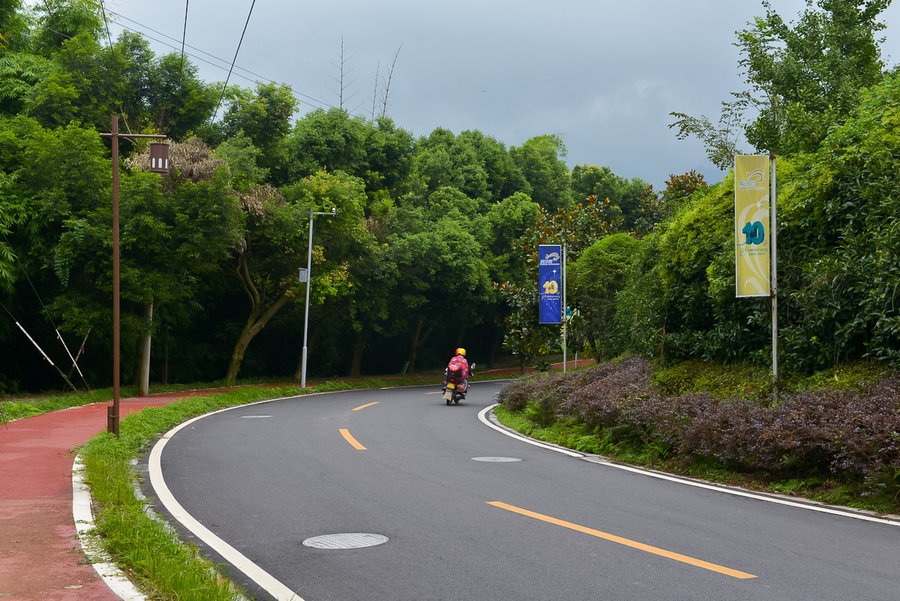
[(387, 85)]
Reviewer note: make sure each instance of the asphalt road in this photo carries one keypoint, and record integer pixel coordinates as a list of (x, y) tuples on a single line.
[(471, 514)]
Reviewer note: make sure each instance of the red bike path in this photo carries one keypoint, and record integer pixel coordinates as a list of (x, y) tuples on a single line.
[(41, 558)]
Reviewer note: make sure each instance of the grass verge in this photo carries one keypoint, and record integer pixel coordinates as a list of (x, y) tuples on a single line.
[(145, 548)]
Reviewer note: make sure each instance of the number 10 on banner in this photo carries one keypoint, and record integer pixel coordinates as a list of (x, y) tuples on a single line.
[(751, 219)]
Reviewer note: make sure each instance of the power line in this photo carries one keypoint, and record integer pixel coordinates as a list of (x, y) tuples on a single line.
[(184, 33), (234, 60), (256, 76), (106, 24), (115, 59)]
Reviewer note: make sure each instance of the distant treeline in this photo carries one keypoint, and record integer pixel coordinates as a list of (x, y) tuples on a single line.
[(432, 245)]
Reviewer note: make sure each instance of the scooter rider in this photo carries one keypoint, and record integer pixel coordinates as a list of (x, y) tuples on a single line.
[(458, 363)]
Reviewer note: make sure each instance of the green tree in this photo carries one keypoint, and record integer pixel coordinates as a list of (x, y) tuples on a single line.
[(329, 140), (274, 246), (678, 299), (20, 68), (62, 20), (577, 227), (509, 219), (373, 278), (805, 79), (540, 160), (7, 258), (175, 100), (802, 80), (599, 275), (442, 160), (377, 152), (174, 233), (840, 240), (442, 280), (264, 116), (657, 208), (88, 82), (241, 155), (477, 165), (590, 181)]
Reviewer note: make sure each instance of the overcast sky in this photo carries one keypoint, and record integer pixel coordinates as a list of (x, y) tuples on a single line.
[(603, 75)]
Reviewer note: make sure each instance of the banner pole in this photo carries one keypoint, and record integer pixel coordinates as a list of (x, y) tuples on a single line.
[(773, 231), (564, 307)]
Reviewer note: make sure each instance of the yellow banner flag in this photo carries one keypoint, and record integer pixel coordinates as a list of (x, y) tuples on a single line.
[(751, 225)]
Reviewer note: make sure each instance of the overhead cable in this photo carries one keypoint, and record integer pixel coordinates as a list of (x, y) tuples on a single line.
[(256, 76), (184, 33), (234, 60)]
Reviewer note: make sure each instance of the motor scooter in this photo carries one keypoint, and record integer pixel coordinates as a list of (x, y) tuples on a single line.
[(456, 386)]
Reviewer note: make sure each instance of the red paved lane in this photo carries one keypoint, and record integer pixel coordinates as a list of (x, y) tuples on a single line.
[(40, 556)]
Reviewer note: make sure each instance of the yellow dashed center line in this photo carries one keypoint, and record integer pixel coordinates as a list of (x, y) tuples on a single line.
[(353, 442), (366, 405), (624, 541)]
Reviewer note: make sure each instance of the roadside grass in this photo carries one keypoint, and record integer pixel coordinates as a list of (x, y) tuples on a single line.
[(141, 545)]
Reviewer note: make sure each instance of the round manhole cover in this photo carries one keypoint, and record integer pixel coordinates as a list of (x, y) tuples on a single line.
[(497, 459), (350, 540)]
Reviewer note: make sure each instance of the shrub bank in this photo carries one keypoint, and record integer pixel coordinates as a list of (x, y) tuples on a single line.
[(845, 431)]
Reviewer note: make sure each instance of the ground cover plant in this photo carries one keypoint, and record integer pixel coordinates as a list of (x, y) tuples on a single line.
[(834, 436)]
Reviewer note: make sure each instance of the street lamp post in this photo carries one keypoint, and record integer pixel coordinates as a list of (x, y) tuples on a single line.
[(159, 163), (312, 215)]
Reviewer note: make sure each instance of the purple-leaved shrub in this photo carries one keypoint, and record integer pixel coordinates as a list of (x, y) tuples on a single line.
[(851, 434)]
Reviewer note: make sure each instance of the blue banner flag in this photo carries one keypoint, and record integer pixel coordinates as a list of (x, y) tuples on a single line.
[(550, 281)]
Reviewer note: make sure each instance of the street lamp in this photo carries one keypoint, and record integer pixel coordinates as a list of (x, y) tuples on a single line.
[(159, 163), (308, 274)]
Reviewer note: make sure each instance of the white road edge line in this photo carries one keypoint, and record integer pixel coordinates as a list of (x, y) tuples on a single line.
[(114, 578), (262, 578), (810, 505)]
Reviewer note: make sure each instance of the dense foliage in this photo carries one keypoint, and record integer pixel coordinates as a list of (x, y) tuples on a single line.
[(802, 79), (434, 240)]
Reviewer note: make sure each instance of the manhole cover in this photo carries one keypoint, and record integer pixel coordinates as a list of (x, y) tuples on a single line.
[(350, 540), (497, 459)]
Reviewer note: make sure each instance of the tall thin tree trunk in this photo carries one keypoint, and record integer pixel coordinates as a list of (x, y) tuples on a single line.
[(144, 384), (237, 355), (358, 349), (261, 312), (259, 317), (418, 340)]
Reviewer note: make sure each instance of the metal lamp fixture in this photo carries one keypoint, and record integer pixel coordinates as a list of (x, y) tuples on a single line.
[(159, 157)]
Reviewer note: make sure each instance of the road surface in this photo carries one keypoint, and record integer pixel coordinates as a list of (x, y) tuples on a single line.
[(392, 495)]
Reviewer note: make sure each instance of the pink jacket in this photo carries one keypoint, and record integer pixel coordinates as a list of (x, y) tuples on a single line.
[(459, 362)]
